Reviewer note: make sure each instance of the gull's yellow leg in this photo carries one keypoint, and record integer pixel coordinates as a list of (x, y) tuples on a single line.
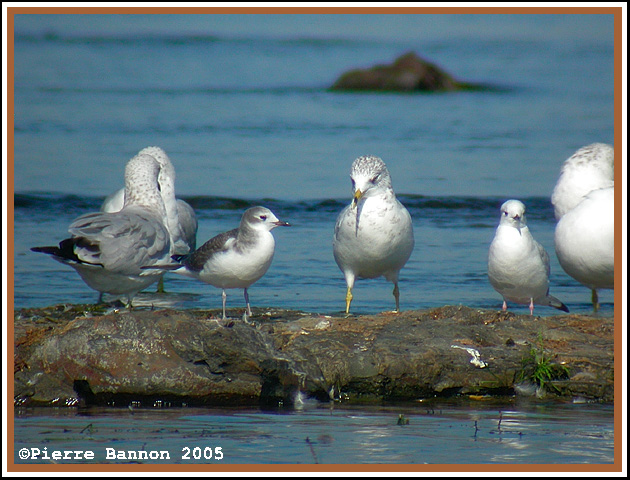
[(348, 300), (595, 300)]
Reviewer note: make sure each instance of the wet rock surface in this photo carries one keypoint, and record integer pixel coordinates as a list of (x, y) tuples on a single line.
[(74, 354)]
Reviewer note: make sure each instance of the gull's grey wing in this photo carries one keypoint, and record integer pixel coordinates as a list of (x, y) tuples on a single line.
[(122, 242), (188, 224), (544, 256)]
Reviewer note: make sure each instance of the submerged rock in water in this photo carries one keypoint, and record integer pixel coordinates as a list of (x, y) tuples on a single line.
[(71, 355), (408, 73)]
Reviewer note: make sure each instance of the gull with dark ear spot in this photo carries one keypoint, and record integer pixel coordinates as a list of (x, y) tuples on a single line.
[(109, 250), (518, 266), (234, 259), (373, 235)]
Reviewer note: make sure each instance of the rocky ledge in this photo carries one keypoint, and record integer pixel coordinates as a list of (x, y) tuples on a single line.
[(71, 355)]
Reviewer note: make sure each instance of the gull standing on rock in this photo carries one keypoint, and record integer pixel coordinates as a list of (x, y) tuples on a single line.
[(108, 250), (373, 235), (518, 266), (234, 259), (181, 219), (583, 200)]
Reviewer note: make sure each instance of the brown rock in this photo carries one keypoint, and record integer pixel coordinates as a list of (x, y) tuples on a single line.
[(408, 73), (69, 355)]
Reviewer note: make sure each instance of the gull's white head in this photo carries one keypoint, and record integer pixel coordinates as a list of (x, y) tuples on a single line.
[(369, 176), (261, 218), (513, 214)]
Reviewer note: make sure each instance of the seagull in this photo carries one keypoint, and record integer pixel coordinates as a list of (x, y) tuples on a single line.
[(373, 235), (108, 250), (589, 168), (181, 219), (234, 259), (518, 266), (585, 242)]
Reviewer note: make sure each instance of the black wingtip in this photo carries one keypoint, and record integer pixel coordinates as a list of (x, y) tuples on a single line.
[(47, 250), (65, 252), (563, 307)]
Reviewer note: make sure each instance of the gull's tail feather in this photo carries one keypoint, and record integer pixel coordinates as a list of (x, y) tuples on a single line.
[(555, 303), (65, 251)]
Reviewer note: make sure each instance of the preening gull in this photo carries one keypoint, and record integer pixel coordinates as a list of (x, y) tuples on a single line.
[(182, 221), (108, 250)]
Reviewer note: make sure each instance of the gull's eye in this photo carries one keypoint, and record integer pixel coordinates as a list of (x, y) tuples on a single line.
[(505, 213), (263, 217), (373, 179)]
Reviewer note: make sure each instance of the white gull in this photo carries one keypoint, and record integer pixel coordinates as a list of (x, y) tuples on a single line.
[(585, 242), (583, 200), (518, 266), (373, 235), (589, 168)]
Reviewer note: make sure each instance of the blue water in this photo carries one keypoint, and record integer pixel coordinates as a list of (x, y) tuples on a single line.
[(242, 107), (434, 435), (240, 103)]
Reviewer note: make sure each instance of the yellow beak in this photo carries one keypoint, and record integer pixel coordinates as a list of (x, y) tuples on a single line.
[(357, 196)]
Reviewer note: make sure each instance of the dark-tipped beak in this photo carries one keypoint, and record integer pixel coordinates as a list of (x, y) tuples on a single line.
[(357, 196), (281, 224)]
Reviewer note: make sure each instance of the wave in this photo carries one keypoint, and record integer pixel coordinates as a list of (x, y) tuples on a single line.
[(195, 90), (462, 207), (188, 39)]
